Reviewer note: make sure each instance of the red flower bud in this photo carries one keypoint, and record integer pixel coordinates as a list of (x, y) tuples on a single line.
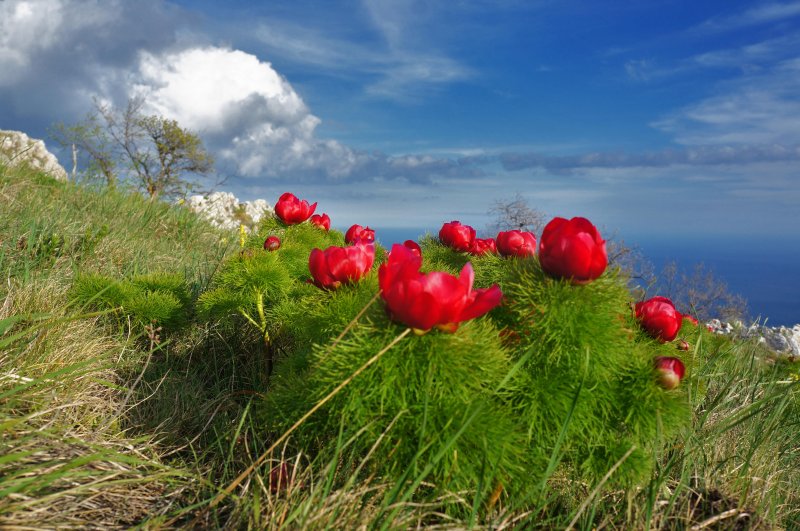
[(341, 265), (436, 299), (291, 210), (357, 232), (516, 243), (272, 243), (323, 221), (690, 319), (457, 236), (682, 345), (659, 318), (482, 246), (280, 477), (670, 371), (573, 249)]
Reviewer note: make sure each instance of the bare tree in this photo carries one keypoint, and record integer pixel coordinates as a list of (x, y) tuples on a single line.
[(515, 214), (153, 152), (630, 260), (700, 293)]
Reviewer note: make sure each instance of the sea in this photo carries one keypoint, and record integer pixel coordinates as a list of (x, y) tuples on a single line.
[(765, 270)]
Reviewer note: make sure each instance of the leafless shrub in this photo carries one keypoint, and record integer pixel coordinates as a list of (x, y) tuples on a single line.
[(515, 214), (700, 293), (632, 262)]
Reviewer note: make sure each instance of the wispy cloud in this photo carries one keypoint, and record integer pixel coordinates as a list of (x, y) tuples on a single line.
[(755, 54), (760, 108), (647, 70), (692, 156), (747, 59), (412, 73), (761, 14), (411, 32), (302, 44), (400, 61)]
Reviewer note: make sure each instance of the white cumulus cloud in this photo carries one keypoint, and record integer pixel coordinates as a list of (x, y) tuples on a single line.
[(250, 114), (208, 88)]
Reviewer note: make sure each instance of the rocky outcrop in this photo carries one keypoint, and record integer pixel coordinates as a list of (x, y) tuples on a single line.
[(782, 340), (17, 148), (223, 210)]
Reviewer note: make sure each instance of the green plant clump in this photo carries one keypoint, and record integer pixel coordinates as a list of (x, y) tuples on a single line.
[(586, 392), (559, 377)]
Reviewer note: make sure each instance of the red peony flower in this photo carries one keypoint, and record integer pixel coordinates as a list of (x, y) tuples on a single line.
[(423, 301), (357, 232), (670, 371), (659, 318), (482, 246), (341, 265), (690, 319), (291, 210), (323, 221), (516, 243), (573, 249), (272, 243), (413, 247), (457, 236)]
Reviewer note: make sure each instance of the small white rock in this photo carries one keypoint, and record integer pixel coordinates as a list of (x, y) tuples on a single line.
[(223, 210), (16, 147)]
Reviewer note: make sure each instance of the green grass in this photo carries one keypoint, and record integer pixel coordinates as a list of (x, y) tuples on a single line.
[(107, 422)]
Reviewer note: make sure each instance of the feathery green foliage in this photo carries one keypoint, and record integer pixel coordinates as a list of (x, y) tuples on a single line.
[(587, 392), (432, 395), (263, 290), (159, 299)]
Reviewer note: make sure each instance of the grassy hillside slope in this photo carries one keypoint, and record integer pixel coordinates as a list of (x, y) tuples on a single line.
[(108, 422)]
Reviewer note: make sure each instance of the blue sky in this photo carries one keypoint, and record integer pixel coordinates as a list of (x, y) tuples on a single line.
[(661, 118)]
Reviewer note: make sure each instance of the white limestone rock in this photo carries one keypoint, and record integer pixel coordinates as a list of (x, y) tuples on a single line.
[(718, 327), (793, 336), (783, 341), (16, 147), (257, 209), (223, 210)]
